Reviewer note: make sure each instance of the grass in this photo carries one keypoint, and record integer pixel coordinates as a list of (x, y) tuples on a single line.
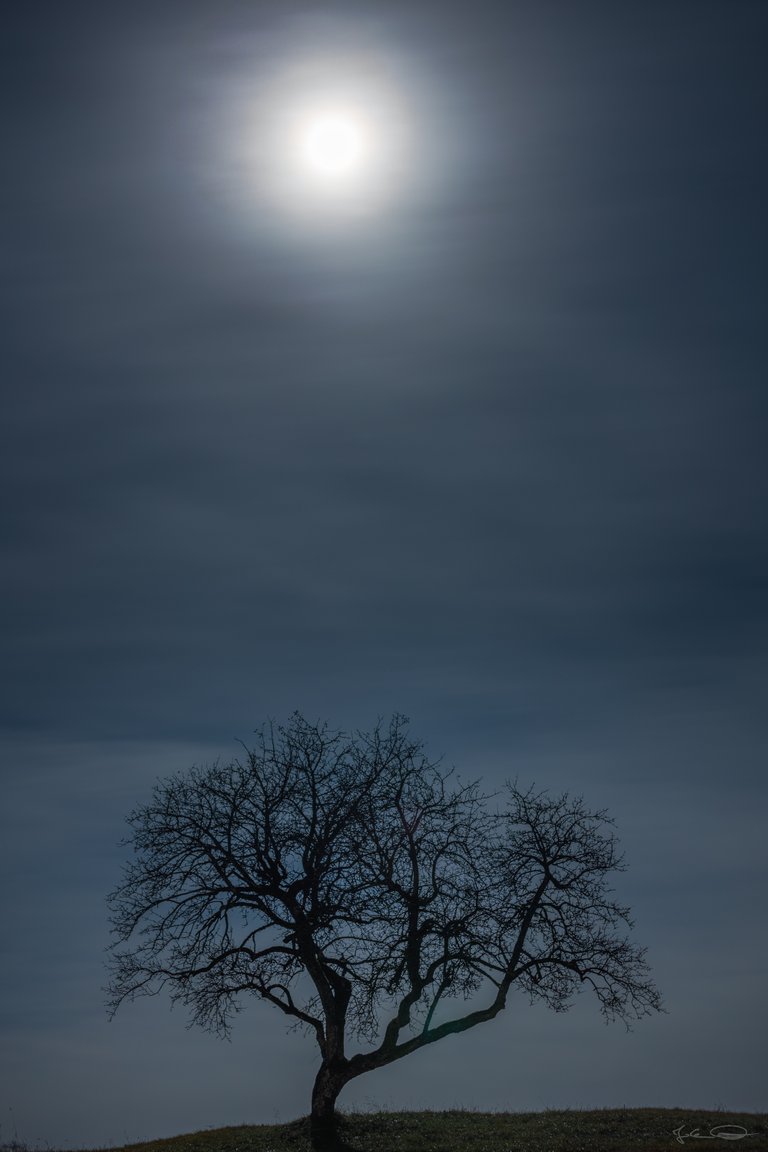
[(601, 1130)]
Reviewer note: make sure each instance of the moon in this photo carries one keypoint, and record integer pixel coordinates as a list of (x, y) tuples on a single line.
[(318, 144), (338, 144), (339, 153), (334, 145)]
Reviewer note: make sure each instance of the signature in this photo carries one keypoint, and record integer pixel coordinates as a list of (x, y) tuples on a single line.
[(719, 1132)]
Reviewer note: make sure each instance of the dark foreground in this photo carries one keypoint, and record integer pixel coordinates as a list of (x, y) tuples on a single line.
[(603, 1130)]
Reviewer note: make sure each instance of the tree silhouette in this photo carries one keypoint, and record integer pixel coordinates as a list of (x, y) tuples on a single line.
[(358, 887)]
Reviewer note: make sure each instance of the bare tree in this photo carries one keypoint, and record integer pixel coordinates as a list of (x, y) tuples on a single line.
[(358, 887)]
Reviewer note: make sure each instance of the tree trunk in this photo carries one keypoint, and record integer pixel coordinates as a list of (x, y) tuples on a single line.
[(323, 1120)]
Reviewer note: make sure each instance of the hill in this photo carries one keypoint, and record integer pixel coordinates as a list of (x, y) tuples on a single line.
[(601, 1130)]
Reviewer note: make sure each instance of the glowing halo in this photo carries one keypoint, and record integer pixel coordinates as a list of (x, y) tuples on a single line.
[(317, 143)]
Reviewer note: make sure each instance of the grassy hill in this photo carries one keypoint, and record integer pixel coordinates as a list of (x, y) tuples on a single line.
[(602, 1130)]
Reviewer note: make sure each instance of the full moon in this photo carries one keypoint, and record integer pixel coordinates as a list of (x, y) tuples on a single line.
[(337, 151), (321, 142), (333, 146)]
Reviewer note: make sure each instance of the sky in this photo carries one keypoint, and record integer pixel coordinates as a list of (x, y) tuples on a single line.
[(477, 435)]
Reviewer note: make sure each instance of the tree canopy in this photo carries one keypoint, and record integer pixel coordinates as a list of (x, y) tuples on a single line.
[(360, 888)]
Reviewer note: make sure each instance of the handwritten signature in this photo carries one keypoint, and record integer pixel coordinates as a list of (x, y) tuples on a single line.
[(719, 1132)]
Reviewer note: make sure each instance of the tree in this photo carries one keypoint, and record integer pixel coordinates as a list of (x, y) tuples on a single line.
[(358, 887)]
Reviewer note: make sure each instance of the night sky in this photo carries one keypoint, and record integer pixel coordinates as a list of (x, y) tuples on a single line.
[(483, 442)]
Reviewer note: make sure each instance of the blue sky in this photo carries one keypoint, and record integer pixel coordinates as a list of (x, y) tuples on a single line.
[(487, 450)]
